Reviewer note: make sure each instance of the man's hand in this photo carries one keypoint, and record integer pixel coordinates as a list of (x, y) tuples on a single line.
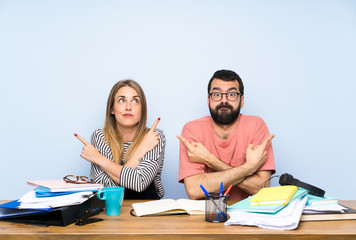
[(89, 152), (256, 155), (197, 153)]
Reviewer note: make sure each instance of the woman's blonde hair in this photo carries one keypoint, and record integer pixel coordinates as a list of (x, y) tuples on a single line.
[(111, 131)]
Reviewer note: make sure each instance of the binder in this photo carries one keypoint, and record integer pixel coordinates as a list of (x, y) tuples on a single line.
[(61, 216)]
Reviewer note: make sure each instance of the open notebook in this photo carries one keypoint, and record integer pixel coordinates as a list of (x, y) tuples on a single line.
[(169, 207)]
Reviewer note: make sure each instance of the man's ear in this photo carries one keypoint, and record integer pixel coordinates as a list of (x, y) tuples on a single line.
[(242, 101)]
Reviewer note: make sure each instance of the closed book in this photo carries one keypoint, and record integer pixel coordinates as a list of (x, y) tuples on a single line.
[(315, 200), (274, 195), (63, 186)]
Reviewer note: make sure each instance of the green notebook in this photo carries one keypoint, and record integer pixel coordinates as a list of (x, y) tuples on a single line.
[(315, 200), (244, 205)]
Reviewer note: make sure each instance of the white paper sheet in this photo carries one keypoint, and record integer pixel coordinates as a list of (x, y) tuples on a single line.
[(29, 200)]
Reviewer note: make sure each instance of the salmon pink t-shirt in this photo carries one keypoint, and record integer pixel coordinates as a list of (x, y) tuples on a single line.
[(249, 130)]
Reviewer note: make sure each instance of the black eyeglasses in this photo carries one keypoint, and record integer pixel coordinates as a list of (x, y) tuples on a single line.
[(77, 179), (231, 96)]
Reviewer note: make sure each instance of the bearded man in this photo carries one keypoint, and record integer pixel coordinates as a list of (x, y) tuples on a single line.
[(227, 146)]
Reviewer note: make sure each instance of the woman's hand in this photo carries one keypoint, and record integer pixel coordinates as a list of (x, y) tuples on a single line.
[(89, 152), (150, 140)]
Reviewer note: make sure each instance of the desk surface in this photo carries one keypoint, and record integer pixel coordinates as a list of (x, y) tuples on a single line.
[(126, 226)]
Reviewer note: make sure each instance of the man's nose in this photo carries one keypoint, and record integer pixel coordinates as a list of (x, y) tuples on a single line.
[(224, 98)]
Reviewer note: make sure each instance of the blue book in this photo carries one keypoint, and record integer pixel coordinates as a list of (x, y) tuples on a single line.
[(315, 200), (244, 205)]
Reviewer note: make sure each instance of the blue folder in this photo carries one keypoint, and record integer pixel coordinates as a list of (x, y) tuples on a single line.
[(10, 209), (45, 193)]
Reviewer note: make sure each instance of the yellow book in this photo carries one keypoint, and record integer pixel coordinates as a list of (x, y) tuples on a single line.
[(273, 195)]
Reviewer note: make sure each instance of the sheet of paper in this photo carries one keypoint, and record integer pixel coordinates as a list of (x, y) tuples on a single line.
[(30, 201)]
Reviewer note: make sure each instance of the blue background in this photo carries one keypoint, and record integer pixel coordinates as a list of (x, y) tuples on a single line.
[(59, 60)]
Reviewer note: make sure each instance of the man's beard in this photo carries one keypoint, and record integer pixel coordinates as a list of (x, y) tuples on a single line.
[(224, 117)]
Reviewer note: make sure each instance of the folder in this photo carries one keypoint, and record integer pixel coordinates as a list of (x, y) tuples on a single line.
[(61, 216)]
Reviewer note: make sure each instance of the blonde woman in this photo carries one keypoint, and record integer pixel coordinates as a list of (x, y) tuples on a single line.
[(125, 152)]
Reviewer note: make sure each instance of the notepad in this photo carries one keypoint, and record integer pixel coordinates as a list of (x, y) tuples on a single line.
[(274, 195), (169, 207)]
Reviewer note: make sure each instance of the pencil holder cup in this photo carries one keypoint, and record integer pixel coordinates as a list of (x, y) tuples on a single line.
[(216, 207), (113, 197)]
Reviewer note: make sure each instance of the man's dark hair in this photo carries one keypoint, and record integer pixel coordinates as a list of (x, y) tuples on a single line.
[(227, 75)]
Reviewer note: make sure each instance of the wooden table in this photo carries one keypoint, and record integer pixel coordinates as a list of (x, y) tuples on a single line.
[(184, 227)]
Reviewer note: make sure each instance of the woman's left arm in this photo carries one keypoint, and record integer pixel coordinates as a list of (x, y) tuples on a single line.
[(91, 154), (149, 142), (141, 177)]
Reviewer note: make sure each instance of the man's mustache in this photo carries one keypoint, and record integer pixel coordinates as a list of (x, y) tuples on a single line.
[(224, 105)]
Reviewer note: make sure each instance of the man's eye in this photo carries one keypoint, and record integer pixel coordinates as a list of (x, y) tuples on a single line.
[(232, 94), (217, 94)]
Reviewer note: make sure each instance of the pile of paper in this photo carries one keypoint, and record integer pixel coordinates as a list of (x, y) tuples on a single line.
[(31, 201), (286, 219), (57, 193), (283, 216)]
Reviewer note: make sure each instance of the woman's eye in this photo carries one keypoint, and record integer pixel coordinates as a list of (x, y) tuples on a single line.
[(121, 100), (136, 101)]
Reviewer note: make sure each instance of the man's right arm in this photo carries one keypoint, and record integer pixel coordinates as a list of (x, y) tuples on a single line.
[(211, 181), (255, 158)]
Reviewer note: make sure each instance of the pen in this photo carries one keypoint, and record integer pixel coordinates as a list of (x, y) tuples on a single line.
[(221, 193), (216, 206)]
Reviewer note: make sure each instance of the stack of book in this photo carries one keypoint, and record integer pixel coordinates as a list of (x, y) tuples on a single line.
[(326, 208), (274, 208), (283, 207)]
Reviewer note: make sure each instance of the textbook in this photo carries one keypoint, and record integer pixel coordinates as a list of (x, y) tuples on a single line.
[(63, 186), (274, 195), (348, 214), (244, 205), (169, 207), (315, 200)]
